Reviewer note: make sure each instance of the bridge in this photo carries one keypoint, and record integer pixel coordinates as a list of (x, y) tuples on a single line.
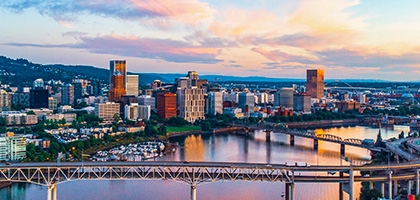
[(268, 129), (194, 173)]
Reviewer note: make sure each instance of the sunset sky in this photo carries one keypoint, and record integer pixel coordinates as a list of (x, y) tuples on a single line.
[(375, 39)]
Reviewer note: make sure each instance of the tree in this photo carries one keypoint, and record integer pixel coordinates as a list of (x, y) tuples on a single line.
[(379, 142), (401, 135), (372, 194), (205, 126), (162, 130)]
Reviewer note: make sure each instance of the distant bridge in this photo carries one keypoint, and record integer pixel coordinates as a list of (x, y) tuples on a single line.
[(193, 173), (306, 134)]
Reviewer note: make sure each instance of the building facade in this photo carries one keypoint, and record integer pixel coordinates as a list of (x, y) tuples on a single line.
[(246, 102), (315, 83), (38, 98), (132, 85), (215, 103), (121, 67), (12, 147), (67, 94), (302, 102), (166, 105), (117, 87), (191, 103), (107, 110)]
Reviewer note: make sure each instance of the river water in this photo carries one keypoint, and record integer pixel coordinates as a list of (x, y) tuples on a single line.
[(225, 148)]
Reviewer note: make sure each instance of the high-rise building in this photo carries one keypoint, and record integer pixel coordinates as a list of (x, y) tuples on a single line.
[(67, 94), (166, 105), (302, 102), (5, 100), (215, 103), (131, 111), (132, 85), (121, 67), (262, 97), (12, 147), (117, 87), (146, 100), (246, 102), (286, 97), (52, 103), (191, 103), (38, 98), (144, 112), (315, 83)]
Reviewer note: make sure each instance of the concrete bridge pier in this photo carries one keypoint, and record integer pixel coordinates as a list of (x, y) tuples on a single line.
[(290, 187), (383, 188), (371, 185), (193, 191), (52, 192), (390, 185), (267, 135), (340, 188), (315, 144), (342, 149), (292, 140), (417, 182), (410, 184), (351, 184), (395, 191)]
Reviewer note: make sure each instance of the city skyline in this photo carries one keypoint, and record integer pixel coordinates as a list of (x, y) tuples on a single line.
[(348, 39)]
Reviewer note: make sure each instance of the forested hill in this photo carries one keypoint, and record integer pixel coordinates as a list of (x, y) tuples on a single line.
[(21, 72)]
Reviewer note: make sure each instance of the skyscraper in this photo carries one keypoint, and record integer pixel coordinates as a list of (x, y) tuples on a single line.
[(132, 85), (118, 65), (67, 94), (215, 103), (315, 83), (246, 102), (166, 105), (117, 89)]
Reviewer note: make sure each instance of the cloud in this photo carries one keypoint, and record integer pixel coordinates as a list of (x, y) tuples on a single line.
[(164, 49), (156, 12)]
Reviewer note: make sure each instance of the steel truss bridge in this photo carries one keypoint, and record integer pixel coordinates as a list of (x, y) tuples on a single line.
[(307, 134), (194, 173)]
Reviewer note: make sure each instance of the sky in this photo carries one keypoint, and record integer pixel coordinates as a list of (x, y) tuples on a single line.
[(349, 39)]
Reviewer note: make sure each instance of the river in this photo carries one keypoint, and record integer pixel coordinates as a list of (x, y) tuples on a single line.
[(228, 148)]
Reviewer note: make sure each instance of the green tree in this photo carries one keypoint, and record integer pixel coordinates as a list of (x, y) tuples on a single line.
[(162, 130), (205, 126), (372, 194)]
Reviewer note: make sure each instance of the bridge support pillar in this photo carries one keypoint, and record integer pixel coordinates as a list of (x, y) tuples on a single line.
[(315, 144), (389, 184), (52, 192), (417, 182), (340, 192), (351, 184), (342, 149), (290, 187), (395, 191), (383, 188), (371, 185), (410, 184), (193, 191), (292, 140), (267, 135)]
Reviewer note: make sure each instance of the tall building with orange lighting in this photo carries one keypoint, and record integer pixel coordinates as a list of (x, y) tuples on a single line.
[(315, 83), (121, 66), (116, 90), (166, 105)]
